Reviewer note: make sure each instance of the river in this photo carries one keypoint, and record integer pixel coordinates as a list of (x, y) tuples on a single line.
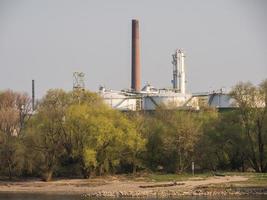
[(12, 196)]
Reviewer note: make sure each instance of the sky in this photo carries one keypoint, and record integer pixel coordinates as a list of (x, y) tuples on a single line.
[(47, 40)]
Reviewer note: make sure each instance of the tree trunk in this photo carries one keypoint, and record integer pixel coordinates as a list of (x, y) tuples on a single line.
[(261, 146), (253, 159), (134, 168), (134, 163), (48, 175), (86, 173), (100, 170), (243, 163), (9, 171)]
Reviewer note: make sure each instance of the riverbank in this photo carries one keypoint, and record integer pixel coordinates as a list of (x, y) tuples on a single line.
[(145, 186)]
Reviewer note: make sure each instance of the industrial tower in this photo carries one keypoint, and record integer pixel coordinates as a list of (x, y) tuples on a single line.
[(78, 81), (178, 71)]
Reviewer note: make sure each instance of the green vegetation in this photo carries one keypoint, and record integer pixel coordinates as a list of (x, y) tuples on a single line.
[(254, 179), (258, 179), (178, 177), (74, 134)]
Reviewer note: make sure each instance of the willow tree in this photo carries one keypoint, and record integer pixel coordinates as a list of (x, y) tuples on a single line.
[(46, 130), (80, 138), (133, 141), (59, 124)]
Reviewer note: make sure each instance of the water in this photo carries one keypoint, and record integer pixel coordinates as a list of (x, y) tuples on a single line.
[(18, 196), (13, 196)]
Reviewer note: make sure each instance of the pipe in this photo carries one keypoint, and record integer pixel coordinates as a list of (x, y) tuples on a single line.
[(182, 72), (33, 96)]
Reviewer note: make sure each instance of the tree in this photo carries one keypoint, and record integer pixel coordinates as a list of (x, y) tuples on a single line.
[(100, 137), (251, 101), (155, 157), (116, 140), (172, 139), (184, 134), (45, 131), (79, 98), (222, 145), (78, 122), (14, 112), (133, 142)]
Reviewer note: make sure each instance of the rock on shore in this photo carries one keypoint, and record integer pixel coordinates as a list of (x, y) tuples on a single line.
[(176, 193)]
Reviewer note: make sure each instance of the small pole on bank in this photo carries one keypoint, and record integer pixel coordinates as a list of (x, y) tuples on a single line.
[(193, 168)]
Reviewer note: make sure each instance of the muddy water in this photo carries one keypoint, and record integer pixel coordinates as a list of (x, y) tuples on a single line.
[(12, 196)]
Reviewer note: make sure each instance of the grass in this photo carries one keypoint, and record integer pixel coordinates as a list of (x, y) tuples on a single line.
[(257, 179), (254, 179), (177, 177)]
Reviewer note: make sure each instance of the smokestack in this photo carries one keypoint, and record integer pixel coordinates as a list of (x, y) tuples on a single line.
[(136, 68), (33, 96)]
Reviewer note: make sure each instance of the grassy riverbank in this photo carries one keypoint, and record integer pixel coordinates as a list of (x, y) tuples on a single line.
[(256, 183), (256, 179), (147, 185)]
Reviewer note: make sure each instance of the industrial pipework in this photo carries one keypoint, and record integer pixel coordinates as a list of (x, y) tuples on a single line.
[(178, 71), (136, 65), (33, 96)]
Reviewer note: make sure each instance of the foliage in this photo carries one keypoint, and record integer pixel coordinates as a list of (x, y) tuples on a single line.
[(251, 101), (70, 129), (76, 134), (14, 110), (221, 146), (172, 139)]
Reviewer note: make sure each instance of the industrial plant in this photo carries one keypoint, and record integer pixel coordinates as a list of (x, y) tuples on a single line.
[(150, 97)]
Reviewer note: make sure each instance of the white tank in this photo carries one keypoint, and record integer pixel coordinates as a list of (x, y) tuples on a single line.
[(118, 100), (168, 98), (221, 100)]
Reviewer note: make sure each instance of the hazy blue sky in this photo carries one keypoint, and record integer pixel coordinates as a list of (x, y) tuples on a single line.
[(47, 40)]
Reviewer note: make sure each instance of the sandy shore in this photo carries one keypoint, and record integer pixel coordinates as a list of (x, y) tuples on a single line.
[(114, 187)]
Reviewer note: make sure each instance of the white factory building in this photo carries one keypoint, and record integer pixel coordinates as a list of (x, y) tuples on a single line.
[(149, 97)]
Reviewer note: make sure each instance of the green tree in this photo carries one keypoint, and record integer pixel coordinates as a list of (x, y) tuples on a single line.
[(222, 145), (184, 134), (172, 139), (101, 137), (155, 157), (46, 130), (133, 145), (251, 101), (81, 138)]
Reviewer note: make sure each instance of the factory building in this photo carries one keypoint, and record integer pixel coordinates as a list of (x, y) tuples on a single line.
[(216, 99), (149, 97), (120, 100), (221, 100)]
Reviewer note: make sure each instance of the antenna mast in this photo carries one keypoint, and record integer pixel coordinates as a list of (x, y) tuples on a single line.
[(78, 81)]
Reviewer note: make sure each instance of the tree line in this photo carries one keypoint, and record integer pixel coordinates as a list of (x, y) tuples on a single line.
[(74, 134)]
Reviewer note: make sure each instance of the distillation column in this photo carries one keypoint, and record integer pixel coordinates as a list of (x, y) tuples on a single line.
[(178, 71)]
